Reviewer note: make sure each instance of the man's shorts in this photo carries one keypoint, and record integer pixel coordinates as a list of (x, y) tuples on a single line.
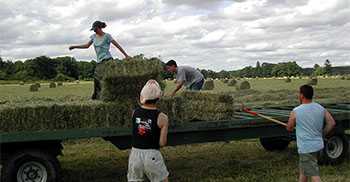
[(147, 162), (308, 164)]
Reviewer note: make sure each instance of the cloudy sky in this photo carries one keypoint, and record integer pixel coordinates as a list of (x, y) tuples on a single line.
[(210, 34)]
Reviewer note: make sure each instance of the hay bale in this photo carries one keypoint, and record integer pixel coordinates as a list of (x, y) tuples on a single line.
[(60, 115), (52, 85), (313, 81), (21, 83), (225, 80), (245, 85), (38, 85), (232, 82), (33, 88), (198, 106), (60, 84), (72, 115), (209, 85), (288, 80), (125, 79)]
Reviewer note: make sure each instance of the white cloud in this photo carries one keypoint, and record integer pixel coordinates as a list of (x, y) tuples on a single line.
[(210, 34)]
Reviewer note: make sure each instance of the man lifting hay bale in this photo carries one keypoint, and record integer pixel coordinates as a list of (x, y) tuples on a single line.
[(185, 76), (101, 41)]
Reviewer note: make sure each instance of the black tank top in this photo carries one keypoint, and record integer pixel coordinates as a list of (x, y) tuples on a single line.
[(145, 129)]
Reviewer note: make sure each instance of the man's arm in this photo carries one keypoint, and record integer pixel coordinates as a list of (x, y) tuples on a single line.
[(82, 46), (179, 85), (115, 43), (163, 124), (330, 123), (291, 122)]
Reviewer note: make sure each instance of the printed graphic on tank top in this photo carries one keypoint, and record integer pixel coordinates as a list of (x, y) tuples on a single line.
[(144, 127)]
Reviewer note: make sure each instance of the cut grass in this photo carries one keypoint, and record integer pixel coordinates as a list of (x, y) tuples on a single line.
[(235, 161)]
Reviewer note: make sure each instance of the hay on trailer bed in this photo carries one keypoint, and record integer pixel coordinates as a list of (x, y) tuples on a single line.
[(69, 115), (198, 106), (186, 107), (125, 78)]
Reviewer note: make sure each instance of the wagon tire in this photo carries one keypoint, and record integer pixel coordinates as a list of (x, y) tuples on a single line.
[(31, 166), (335, 150), (274, 143)]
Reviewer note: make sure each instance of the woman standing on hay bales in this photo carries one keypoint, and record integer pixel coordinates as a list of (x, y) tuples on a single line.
[(102, 42)]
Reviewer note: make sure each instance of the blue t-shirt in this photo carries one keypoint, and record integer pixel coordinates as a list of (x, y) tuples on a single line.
[(309, 127), (102, 45)]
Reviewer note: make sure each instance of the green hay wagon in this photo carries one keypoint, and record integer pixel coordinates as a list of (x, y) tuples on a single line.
[(32, 156)]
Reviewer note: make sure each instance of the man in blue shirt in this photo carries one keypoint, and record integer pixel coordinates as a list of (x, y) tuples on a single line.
[(309, 120)]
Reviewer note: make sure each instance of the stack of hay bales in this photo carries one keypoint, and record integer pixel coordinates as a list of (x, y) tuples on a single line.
[(49, 116), (198, 106), (59, 84), (121, 84), (125, 79), (57, 116), (209, 85)]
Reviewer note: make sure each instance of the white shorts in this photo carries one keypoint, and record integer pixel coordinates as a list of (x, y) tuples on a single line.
[(147, 162)]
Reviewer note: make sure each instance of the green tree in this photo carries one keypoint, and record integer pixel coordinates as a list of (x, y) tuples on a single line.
[(67, 66), (327, 67)]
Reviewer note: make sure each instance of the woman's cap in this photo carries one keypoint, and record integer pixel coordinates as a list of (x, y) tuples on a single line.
[(150, 91), (98, 24)]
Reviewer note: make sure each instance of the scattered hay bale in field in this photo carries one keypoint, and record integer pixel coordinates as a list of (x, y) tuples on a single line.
[(38, 85), (77, 82), (21, 83), (245, 85), (342, 78), (313, 81), (52, 85), (125, 79), (232, 82), (33, 88), (62, 77), (59, 84), (209, 85), (225, 80), (288, 80)]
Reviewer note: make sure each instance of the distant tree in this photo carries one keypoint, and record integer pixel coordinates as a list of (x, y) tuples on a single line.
[(86, 69), (67, 66), (327, 67), (41, 68)]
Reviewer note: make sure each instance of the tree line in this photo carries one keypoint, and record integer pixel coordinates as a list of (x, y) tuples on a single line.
[(68, 68), (46, 68)]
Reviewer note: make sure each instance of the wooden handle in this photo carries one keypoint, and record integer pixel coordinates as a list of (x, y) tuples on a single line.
[(273, 120)]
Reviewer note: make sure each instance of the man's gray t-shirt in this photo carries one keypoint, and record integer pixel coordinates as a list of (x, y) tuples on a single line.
[(188, 75)]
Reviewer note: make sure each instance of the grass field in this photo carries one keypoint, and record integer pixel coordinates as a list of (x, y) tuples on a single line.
[(237, 161)]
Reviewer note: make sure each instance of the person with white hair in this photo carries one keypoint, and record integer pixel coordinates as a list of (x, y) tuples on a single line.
[(149, 133)]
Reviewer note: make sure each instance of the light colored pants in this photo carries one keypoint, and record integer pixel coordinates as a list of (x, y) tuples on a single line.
[(147, 162)]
